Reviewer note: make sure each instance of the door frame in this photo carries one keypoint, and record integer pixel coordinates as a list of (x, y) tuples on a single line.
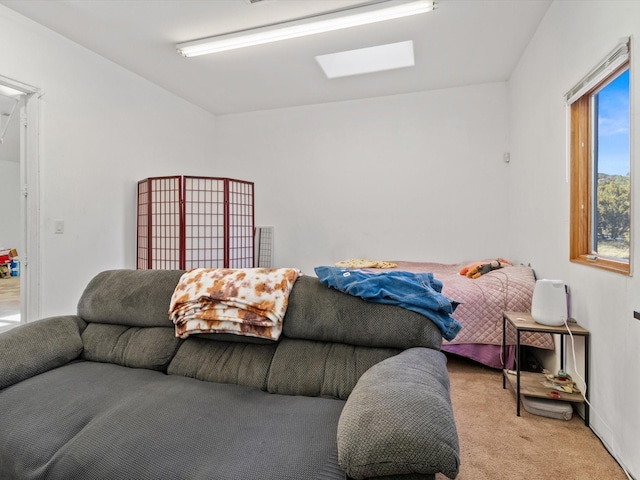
[(30, 257)]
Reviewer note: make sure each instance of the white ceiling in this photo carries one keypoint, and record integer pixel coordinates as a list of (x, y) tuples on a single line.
[(462, 42)]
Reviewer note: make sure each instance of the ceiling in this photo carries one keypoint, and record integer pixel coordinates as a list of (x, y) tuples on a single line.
[(462, 42)]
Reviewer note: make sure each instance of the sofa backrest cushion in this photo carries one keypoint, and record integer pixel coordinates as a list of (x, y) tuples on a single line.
[(302, 367), (135, 347), (289, 367), (137, 298), (141, 298), (224, 362), (317, 312)]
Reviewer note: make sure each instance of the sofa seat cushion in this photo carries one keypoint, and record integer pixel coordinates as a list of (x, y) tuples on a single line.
[(89, 420)]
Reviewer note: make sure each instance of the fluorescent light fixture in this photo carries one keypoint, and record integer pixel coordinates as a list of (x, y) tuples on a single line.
[(335, 20), (367, 60), (9, 92)]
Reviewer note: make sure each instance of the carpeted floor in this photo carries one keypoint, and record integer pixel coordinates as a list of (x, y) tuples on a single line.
[(496, 444)]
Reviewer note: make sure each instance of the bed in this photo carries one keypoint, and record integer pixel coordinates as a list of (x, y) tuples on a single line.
[(482, 302)]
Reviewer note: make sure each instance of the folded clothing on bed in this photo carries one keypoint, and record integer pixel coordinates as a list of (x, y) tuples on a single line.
[(365, 263), (246, 301), (418, 292)]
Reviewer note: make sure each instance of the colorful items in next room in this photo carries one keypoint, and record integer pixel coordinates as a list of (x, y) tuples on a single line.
[(9, 264)]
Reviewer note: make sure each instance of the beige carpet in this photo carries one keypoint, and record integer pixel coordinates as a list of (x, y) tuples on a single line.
[(496, 444)]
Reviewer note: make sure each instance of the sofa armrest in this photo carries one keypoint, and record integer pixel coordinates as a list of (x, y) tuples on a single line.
[(399, 419), (37, 347)]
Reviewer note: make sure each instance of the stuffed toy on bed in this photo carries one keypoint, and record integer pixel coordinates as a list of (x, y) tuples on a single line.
[(478, 269)]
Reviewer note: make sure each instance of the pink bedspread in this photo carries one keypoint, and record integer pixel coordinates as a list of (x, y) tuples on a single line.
[(483, 301)]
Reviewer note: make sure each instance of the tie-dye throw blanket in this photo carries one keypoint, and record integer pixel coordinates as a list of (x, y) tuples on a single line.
[(246, 301)]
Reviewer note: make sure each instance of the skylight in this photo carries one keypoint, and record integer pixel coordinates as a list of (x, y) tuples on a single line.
[(367, 60)]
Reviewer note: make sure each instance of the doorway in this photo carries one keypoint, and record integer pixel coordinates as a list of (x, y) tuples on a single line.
[(20, 238)]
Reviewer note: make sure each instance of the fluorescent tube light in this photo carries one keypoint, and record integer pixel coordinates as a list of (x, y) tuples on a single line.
[(9, 92), (367, 60), (336, 20)]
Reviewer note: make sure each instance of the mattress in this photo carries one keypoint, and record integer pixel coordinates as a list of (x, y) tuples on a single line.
[(482, 302)]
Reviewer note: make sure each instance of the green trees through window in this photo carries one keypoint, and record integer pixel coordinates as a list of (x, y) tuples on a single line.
[(611, 165), (612, 224)]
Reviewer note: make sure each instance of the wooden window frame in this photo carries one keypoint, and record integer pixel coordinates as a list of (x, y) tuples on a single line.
[(581, 164)]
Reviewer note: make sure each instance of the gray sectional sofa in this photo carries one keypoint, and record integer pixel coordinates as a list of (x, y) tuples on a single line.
[(351, 390)]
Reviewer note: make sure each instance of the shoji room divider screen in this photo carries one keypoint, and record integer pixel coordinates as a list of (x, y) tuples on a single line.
[(191, 222)]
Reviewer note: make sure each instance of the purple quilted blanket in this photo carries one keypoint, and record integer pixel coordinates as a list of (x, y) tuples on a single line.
[(483, 301)]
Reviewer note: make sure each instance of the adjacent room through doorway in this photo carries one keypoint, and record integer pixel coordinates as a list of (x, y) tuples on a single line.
[(10, 232)]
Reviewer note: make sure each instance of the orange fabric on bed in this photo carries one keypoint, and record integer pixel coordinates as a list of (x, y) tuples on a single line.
[(477, 264)]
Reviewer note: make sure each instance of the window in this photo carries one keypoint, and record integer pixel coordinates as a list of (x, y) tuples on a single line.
[(601, 165)]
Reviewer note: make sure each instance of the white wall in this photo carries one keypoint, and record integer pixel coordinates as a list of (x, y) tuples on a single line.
[(411, 177), (572, 38), (102, 129)]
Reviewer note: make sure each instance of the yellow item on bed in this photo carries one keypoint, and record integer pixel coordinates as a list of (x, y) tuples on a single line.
[(364, 263)]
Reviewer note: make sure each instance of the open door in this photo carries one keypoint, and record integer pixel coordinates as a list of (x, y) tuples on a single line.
[(19, 132)]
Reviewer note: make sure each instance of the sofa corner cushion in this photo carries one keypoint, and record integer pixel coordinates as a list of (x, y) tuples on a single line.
[(37, 347), (399, 419), (137, 298)]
